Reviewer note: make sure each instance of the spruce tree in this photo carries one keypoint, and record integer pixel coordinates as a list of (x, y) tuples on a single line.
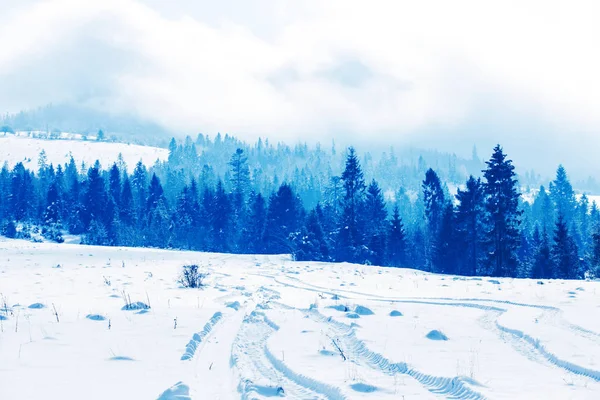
[(283, 221), (220, 219), (563, 195), (543, 267), (503, 215), (254, 242), (445, 256), (240, 178), (396, 240), (564, 252), (311, 244), (95, 199), (434, 202), (470, 227), (350, 240), (375, 225)]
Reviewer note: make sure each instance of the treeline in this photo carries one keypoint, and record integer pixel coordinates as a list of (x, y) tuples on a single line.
[(485, 229)]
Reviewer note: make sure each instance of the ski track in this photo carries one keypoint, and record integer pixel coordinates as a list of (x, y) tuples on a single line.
[(454, 388), (192, 346)]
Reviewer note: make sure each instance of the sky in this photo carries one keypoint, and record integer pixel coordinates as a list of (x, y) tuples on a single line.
[(433, 74)]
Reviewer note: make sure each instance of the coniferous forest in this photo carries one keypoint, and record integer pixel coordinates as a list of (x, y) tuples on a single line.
[(225, 196)]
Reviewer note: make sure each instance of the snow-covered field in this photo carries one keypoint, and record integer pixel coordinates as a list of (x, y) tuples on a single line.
[(266, 326), (14, 149)]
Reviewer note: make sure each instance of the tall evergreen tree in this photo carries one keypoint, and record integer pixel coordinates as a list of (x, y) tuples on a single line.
[(564, 252), (434, 201), (375, 225), (563, 195), (255, 232), (543, 210), (95, 198), (444, 258), (350, 240), (312, 244), (470, 227), (221, 219), (283, 221), (240, 178), (503, 215), (543, 267), (114, 184), (396, 240)]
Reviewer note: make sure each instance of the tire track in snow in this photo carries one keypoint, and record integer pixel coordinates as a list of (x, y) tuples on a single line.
[(455, 387), (192, 346), (262, 374), (576, 329)]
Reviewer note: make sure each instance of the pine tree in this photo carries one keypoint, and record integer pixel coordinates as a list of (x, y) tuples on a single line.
[(564, 252), (594, 258), (114, 184), (563, 195), (503, 215), (470, 227), (312, 245), (240, 178), (283, 221), (221, 219), (375, 216), (543, 209), (155, 193), (444, 258), (256, 224), (434, 201), (396, 241), (95, 198), (21, 193), (543, 267), (127, 212), (350, 240), (139, 186)]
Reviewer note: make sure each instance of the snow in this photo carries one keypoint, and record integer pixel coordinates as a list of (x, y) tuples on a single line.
[(16, 148), (266, 326)]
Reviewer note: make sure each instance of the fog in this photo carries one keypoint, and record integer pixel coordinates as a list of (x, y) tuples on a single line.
[(438, 75)]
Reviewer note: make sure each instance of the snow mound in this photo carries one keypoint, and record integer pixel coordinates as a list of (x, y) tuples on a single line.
[(36, 306), (353, 315), (361, 310), (235, 305), (121, 358), (179, 391), (327, 353), (138, 305), (436, 335), (3, 318), (340, 307), (96, 317), (396, 313), (363, 388)]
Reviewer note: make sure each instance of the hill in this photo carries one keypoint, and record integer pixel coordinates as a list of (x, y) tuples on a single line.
[(23, 147), (265, 326)]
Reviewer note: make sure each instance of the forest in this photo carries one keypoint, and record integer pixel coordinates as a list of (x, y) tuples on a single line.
[(465, 218)]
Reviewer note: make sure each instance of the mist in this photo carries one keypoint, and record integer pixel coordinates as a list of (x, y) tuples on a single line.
[(431, 75)]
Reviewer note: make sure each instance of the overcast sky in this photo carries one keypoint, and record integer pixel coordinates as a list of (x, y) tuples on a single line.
[(443, 74)]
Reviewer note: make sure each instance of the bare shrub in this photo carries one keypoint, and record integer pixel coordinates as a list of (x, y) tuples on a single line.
[(192, 277)]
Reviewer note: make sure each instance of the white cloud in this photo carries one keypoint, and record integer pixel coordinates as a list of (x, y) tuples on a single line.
[(281, 71)]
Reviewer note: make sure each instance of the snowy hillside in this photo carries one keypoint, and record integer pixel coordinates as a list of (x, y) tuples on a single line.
[(14, 149), (266, 326)]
